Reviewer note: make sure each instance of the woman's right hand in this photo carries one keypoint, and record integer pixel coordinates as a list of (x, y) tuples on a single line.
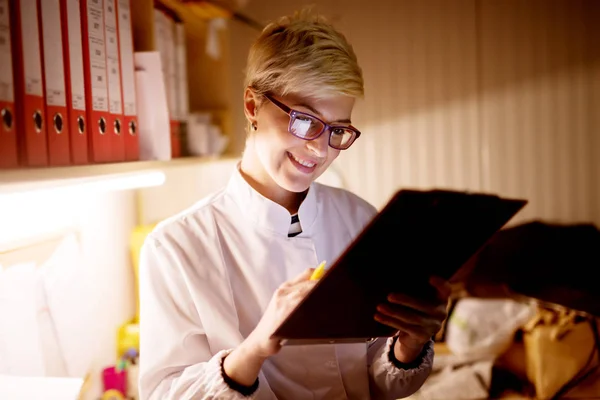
[(284, 300), (243, 364)]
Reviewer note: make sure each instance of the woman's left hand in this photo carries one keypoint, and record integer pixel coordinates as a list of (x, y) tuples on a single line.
[(416, 319)]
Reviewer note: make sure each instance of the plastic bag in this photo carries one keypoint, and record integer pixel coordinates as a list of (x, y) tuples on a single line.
[(485, 328)]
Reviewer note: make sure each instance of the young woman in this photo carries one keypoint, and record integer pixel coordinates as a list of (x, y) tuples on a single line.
[(217, 279)]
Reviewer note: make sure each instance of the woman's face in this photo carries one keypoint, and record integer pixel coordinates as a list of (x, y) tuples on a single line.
[(283, 159)]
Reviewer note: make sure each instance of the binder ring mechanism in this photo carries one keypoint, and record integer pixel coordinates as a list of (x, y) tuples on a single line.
[(132, 128), (102, 125), (38, 121), (81, 125), (7, 118), (58, 123)]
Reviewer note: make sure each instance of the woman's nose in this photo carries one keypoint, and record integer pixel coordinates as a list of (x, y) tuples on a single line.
[(319, 146)]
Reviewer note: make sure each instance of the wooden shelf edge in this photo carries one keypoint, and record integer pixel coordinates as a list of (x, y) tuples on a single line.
[(47, 177), (194, 11)]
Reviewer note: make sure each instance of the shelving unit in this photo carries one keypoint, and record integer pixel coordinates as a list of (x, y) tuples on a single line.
[(208, 85), (20, 180)]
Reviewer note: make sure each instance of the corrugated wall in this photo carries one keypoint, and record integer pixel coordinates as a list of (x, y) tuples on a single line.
[(494, 95), (419, 115), (536, 104)]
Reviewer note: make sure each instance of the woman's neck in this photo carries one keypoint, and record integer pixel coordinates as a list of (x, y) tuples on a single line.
[(264, 184)]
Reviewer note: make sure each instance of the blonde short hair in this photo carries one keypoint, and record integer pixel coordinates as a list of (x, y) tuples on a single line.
[(303, 54)]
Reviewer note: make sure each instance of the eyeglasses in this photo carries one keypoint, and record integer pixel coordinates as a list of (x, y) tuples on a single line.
[(309, 127)]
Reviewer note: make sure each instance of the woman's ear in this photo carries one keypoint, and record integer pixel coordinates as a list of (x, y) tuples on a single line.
[(250, 105)]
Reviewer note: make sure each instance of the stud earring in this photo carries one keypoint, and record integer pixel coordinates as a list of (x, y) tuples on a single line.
[(254, 127)]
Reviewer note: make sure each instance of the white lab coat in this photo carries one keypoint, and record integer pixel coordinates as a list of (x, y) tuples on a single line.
[(206, 277)]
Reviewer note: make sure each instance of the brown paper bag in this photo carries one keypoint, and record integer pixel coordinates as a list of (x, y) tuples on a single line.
[(559, 347)]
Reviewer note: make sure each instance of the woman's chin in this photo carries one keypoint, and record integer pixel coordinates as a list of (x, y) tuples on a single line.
[(294, 184)]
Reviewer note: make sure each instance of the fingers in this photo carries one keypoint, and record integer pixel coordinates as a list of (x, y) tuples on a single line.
[(291, 287), (409, 316), (304, 287), (303, 276), (426, 307), (290, 291), (416, 331), (301, 288), (442, 286), (289, 297)]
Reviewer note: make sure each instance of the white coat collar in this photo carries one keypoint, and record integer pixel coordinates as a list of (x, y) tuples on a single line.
[(267, 214)]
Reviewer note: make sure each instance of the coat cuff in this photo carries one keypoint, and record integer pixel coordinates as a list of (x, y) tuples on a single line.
[(246, 391), (216, 384), (423, 362)]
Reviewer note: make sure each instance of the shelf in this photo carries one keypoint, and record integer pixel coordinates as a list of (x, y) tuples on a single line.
[(20, 180), (192, 11)]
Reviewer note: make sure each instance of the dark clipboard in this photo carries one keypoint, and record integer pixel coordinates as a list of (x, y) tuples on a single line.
[(417, 234)]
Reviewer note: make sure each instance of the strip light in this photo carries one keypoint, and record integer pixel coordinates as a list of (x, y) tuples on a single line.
[(76, 186)]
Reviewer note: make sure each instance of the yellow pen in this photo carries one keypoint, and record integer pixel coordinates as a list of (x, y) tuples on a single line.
[(318, 272)]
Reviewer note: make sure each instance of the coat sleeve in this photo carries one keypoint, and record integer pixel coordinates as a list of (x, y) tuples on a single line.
[(175, 358), (386, 381)]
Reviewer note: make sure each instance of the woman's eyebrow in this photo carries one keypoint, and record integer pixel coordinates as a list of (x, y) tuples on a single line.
[(318, 114)]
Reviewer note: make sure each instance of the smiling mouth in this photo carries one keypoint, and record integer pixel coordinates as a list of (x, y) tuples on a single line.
[(307, 164)]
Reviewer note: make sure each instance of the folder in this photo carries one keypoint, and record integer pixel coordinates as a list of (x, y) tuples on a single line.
[(74, 83), (418, 234), (183, 108), (96, 80), (172, 83), (164, 21), (8, 132), (130, 122), (55, 96), (29, 90), (152, 106), (113, 64)]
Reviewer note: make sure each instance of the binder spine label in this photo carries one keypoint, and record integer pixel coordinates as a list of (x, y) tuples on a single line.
[(6, 72), (95, 15), (182, 80), (75, 55), (127, 68), (31, 48), (54, 70), (172, 67), (112, 58), (162, 45)]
